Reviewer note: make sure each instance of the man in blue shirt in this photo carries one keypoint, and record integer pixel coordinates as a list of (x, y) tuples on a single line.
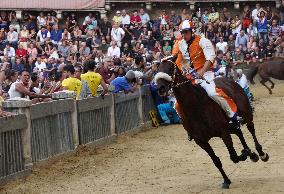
[(125, 83), (55, 35), (18, 66)]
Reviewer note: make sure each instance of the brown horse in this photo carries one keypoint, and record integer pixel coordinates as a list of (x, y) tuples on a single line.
[(203, 118), (268, 69)]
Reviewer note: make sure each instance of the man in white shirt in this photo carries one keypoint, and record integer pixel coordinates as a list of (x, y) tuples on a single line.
[(254, 13), (125, 18), (40, 65), (144, 17), (42, 37), (221, 45), (9, 52), (12, 36), (117, 34), (113, 50)]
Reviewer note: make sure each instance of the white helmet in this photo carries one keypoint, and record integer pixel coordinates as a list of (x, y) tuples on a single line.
[(186, 25), (239, 71)]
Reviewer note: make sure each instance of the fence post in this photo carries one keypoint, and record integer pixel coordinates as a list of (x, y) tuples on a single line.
[(112, 116), (140, 106), (22, 107), (75, 128)]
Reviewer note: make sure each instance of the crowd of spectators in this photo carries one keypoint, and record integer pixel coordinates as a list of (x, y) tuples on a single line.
[(40, 55)]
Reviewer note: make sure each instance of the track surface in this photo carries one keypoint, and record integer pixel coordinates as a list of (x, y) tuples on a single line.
[(163, 161)]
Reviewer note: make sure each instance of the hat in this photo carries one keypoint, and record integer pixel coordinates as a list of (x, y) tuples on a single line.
[(186, 25), (118, 11), (239, 71), (130, 75)]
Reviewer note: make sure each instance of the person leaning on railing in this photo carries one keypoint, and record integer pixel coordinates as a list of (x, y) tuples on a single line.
[(21, 88), (127, 83)]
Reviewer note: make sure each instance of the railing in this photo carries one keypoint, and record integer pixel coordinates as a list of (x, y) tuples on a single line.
[(42, 131), (12, 138)]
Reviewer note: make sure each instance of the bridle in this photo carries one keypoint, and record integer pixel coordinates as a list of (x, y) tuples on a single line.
[(173, 84)]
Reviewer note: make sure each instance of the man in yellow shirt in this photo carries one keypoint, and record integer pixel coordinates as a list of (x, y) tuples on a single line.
[(93, 79), (70, 82), (117, 18)]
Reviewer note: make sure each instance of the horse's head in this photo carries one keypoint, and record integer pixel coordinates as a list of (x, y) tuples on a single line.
[(165, 75)]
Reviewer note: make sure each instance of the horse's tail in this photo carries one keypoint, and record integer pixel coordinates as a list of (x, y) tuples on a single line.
[(252, 73)]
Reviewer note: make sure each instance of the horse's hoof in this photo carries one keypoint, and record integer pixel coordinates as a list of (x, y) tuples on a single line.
[(226, 185), (265, 157), (254, 157)]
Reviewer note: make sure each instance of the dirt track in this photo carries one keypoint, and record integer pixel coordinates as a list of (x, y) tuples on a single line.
[(163, 161)]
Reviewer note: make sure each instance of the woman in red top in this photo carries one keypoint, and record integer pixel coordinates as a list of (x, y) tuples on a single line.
[(21, 53)]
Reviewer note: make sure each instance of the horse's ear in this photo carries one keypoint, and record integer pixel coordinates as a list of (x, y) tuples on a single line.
[(175, 58)]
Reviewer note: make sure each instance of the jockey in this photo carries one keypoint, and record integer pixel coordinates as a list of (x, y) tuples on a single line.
[(196, 53)]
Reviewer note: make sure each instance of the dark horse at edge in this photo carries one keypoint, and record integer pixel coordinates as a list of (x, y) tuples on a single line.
[(267, 70), (203, 118)]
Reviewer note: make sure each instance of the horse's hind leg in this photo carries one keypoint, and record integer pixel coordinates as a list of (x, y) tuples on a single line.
[(272, 83), (263, 156), (217, 162), (263, 81)]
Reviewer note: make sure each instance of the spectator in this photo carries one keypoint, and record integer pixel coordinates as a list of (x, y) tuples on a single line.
[(125, 83), (262, 26), (12, 37), (105, 70), (55, 34), (184, 15), (174, 18), (255, 12), (135, 18), (24, 35), (105, 27), (84, 50), (10, 53), (117, 34), (236, 25), (214, 16), (41, 20), (125, 18), (71, 83), (20, 89), (252, 29), (117, 19), (257, 55), (145, 18), (205, 17), (164, 18), (113, 50), (167, 49), (21, 53), (30, 65), (275, 30), (221, 45), (40, 65), (32, 51), (93, 79), (238, 57), (242, 39), (42, 37), (18, 66), (64, 49), (246, 17)]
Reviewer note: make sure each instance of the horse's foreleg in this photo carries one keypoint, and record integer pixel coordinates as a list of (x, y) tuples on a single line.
[(272, 83), (263, 83), (263, 156), (246, 151), (227, 139), (217, 162)]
